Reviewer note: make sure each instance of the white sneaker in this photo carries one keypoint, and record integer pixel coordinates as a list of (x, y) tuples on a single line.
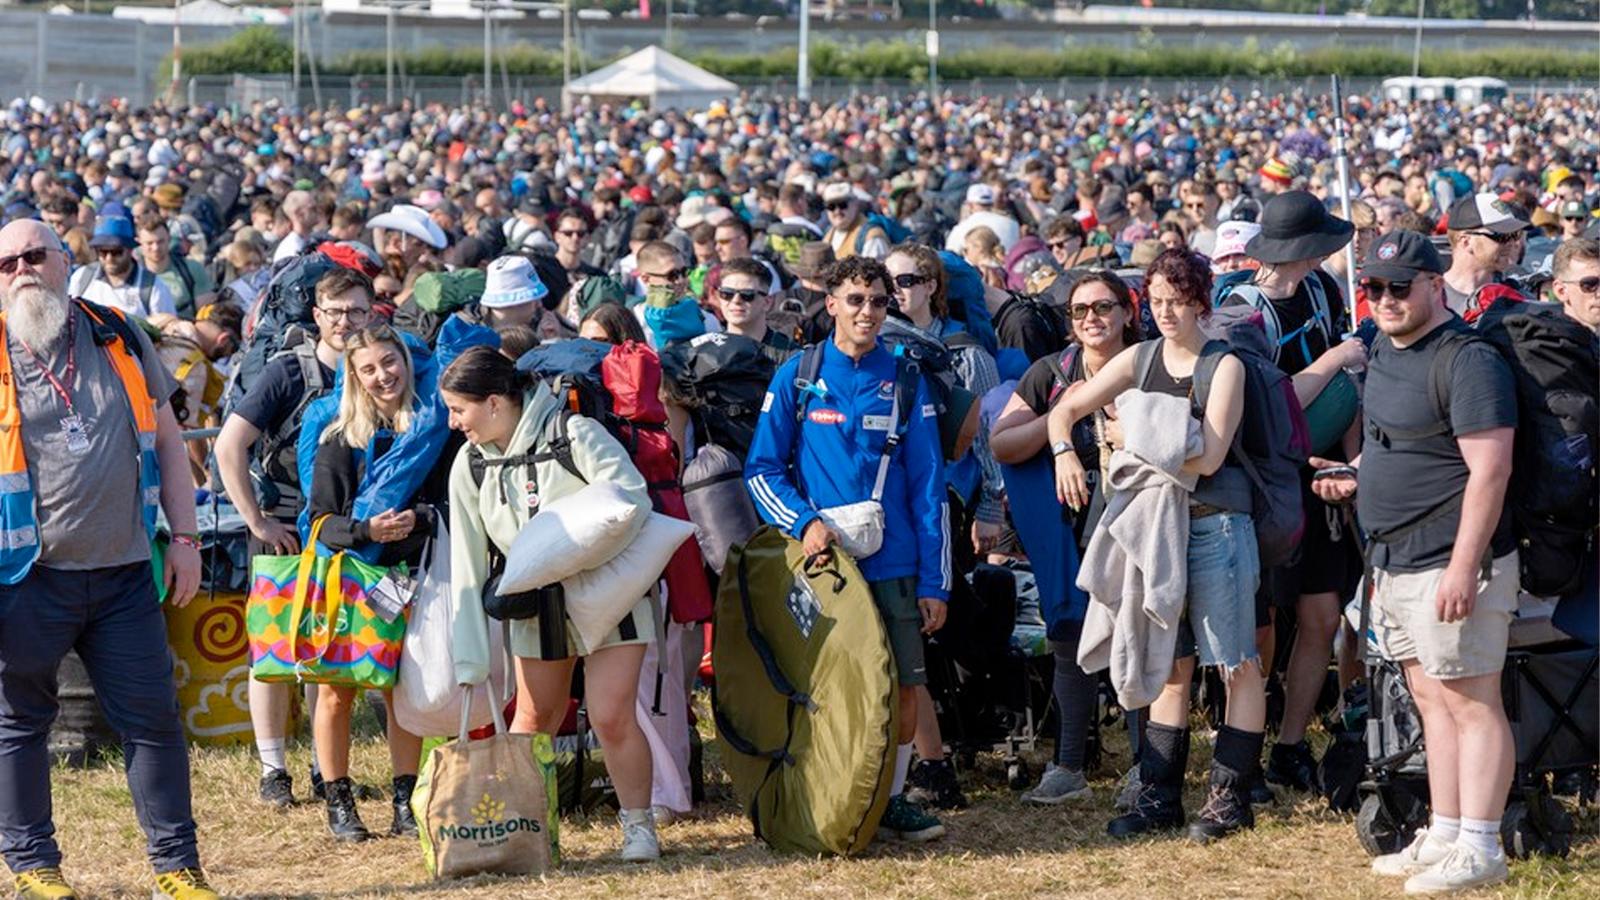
[(1424, 851), (1463, 868), (639, 842), (1058, 786)]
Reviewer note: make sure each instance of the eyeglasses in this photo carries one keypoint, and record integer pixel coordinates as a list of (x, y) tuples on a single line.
[(746, 296), (1376, 288), (355, 315), (1588, 285), (836, 206), (908, 280), (671, 275), (34, 257), (1497, 238), (1101, 309), (855, 301)]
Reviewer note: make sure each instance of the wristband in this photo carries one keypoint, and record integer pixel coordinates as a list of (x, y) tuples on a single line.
[(188, 540)]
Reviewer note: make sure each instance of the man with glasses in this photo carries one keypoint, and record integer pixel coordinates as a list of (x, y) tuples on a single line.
[(92, 455), (118, 280), (1575, 218), (268, 420), (572, 230), (745, 298), (1576, 280), (668, 313), (850, 232), (1200, 204), (1479, 228), (828, 438), (1440, 408)]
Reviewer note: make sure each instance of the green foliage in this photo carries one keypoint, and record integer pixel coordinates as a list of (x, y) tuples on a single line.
[(261, 50)]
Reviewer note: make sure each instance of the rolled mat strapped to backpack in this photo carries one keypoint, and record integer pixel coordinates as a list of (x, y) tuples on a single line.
[(308, 620), (805, 699)]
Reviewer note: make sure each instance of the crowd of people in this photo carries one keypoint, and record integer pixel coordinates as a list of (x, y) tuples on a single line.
[(1078, 275)]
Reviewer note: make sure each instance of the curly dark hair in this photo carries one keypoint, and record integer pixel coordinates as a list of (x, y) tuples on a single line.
[(864, 269), (1187, 272)]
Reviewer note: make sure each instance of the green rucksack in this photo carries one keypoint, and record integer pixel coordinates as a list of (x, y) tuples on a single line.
[(804, 697), (598, 289), (445, 292)]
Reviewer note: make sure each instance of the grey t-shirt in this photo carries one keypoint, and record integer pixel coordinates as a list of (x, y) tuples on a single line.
[(88, 503), (1404, 481)]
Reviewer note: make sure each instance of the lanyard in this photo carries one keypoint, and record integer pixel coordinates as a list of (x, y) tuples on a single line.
[(72, 363)]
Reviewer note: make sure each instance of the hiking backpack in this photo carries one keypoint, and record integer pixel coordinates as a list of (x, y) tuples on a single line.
[(1552, 494), (964, 292), (956, 407), (785, 240), (286, 301), (1321, 314), (725, 376), (1272, 442), (620, 387)]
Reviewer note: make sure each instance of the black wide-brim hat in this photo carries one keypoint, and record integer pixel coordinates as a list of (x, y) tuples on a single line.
[(1295, 226)]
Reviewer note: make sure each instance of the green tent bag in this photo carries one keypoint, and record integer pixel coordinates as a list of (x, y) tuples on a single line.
[(446, 292), (805, 697)]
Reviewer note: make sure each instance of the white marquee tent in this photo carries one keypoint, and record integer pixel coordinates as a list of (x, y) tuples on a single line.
[(660, 79)]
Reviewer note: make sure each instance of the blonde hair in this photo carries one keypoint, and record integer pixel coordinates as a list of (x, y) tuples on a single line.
[(985, 245), (359, 418)]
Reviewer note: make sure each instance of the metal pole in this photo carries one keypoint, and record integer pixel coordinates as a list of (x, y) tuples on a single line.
[(802, 87), (294, 28), (177, 49), (1341, 159), (488, 55), (388, 54), (566, 45), (668, 39), (1416, 47), (933, 45)]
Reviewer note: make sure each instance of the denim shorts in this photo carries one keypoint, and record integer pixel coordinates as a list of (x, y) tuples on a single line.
[(1219, 619)]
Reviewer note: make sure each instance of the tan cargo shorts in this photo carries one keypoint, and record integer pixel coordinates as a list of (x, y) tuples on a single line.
[(1405, 621)]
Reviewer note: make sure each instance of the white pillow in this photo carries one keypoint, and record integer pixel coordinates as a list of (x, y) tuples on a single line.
[(599, 598), (573, 534)]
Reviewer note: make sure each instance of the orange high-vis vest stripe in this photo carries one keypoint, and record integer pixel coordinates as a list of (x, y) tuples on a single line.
[(19, 523)]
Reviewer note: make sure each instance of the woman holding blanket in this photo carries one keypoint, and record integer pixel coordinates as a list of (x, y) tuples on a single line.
[(1172, 567), (507, 422), (377, 406)]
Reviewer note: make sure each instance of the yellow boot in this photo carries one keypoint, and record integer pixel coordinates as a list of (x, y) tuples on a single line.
[(183, 884), (43, 884)]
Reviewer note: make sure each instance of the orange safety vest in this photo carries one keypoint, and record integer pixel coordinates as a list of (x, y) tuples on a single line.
[(19, 523)]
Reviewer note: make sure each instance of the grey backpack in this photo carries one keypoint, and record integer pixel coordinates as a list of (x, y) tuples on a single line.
[(718, 503)]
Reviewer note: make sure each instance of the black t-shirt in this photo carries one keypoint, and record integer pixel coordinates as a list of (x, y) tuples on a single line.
[(1294, 312), (1403, 481), (1038, 389), (276, 393)]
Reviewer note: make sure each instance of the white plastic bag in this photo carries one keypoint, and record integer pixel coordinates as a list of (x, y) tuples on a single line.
[(573, 534), (427, 700), (599, 598)]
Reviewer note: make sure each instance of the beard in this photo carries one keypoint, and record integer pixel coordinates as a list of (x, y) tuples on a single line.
[(36, 315)]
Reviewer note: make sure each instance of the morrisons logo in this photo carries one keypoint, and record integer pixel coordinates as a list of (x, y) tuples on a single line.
[(488, 831)]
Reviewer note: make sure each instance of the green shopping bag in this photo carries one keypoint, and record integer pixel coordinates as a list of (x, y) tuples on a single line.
[(308, 620)]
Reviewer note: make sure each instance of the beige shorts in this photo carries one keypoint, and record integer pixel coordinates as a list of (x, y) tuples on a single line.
[(1406, 622)]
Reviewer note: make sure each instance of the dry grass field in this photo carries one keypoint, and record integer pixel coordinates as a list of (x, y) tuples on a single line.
[(997, 848)]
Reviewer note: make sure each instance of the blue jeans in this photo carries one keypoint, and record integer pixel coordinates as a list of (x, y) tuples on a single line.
[(111, 618), (1219, 621)]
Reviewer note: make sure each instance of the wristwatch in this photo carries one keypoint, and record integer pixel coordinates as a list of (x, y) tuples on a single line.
[(1060, 447)]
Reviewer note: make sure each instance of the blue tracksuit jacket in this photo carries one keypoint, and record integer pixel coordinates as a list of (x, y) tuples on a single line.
[(830, 458)]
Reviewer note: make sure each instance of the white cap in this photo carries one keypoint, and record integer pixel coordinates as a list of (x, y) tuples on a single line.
[(692, 211), (414, 221), (512, 281), (980, 195), (1232, 236), (837, 191)]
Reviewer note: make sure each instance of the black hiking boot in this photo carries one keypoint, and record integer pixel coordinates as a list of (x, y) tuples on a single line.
[(1292, 766), (1227, 808), (405, 823), (319, 790), (1163, 757), (277, 788), (933, 782), (343, 820)]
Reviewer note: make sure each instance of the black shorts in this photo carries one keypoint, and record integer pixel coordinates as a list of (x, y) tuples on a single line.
[(1330, 558)]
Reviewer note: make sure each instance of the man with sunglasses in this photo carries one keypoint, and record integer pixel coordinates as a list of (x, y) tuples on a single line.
[(827, 439), (118, 280), (745, 299), (849, 230), (1440, 409), (572, 231), (1575, 275), (1480, 227), (668, 313)]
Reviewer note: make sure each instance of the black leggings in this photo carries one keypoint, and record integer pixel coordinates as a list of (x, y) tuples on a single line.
[(1075, 692)]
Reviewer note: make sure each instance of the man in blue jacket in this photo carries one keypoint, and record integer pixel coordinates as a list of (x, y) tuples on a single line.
[(843, 426)]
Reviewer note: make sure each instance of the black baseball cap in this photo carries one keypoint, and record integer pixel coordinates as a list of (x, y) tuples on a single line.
[(1401, 256)]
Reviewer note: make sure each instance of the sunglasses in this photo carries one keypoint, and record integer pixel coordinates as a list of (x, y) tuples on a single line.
[(1376, 288), (1062, 245), (855, 301), (746, 296), (569, 233), (674, 275), (1588, 285), (836, 206), (1497, 238), (1101, 309), (34, 258), (111, 251), (909, 280)]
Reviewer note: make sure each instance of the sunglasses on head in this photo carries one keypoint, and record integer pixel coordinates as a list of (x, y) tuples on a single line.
[(909, 280), (34, 257), (855, 301), (743, 295), (1497, 238), (1588, 285), (836, 205), (1100, 308), (1377, 287)]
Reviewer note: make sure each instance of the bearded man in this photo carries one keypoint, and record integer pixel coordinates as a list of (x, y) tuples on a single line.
[(89, 448)]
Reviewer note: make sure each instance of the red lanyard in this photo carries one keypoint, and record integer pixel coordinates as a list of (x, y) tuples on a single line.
[(72, 362)]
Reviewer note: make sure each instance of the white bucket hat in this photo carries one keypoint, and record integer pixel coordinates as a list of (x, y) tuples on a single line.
[(512, 281)]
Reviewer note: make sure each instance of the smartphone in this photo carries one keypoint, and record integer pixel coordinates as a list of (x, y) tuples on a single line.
[(1335, 472)]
